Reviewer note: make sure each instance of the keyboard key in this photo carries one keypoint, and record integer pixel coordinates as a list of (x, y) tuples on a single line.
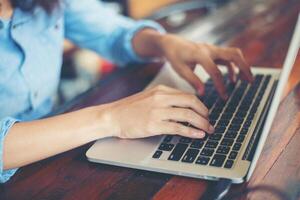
[(168, 138), (215, 136), (244, 131), (227, 142), (216, 110), (230, 134), (207, 152), (211, 144), (178, 151), (230, 109), (236, 146), (220, 103), (198, 144), (213, 122), (233, 155), (190, 155), (213, 116), (240, 138), (234, 127), (243, 84), (247, 123), (241, 114), (223, 122), (220, 129), (223, 150), (202, 160), (228, 164), (217, 160), (185, 140), (166, 147), (250, 116), (226, 116), (157, 154), (237, 121), (253, 110)]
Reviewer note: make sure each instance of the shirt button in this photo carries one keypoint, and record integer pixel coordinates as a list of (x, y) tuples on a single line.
[(1, 25)]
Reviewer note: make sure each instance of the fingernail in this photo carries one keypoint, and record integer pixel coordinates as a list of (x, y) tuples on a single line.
[(211, 129), (199, 134)]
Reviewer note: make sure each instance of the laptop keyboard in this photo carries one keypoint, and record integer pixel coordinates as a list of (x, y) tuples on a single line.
[(231, 119)]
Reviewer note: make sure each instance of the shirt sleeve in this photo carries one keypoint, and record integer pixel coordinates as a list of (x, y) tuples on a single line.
[(90, 24), (5, 125)]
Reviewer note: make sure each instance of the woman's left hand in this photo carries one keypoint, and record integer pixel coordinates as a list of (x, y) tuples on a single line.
[(183, 55)]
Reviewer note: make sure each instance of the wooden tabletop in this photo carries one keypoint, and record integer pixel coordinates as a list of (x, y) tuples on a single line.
[(263, 32)]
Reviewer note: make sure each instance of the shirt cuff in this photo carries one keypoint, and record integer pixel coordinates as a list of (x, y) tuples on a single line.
[(5, 125), (132, 32)]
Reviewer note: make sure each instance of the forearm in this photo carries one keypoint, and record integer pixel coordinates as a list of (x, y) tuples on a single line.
[(28, 142)]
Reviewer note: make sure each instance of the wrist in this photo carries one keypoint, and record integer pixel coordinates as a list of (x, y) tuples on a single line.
[(101, 122), (148, 43)]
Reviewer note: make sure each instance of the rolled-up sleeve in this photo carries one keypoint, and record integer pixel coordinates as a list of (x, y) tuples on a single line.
[(92, 25), (5, 125)]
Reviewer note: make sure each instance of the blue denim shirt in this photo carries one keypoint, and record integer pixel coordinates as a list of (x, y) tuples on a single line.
[(31, 47)]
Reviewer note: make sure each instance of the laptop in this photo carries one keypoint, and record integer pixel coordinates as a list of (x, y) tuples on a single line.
[(242, 124)]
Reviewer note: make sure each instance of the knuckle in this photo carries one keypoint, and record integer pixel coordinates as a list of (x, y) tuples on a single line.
[(157, 96), (177, 128), (190, 115), (236, 52)]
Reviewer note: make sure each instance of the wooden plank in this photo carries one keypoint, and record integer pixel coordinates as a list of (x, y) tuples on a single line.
[(285, 173), (181, 188), (283, 129)]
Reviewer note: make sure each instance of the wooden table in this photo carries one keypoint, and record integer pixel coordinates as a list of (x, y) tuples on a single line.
[(263, 32)]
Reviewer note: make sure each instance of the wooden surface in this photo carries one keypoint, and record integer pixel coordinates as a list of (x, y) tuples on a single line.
[(263, 32)]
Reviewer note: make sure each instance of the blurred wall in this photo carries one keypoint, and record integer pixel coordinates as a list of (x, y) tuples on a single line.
[(143, 8)]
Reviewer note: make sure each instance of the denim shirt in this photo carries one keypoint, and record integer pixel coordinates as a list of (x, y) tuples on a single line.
[(31, 47)]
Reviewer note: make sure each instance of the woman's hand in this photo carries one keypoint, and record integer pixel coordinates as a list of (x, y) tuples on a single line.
[(157, 111), (184, 55)]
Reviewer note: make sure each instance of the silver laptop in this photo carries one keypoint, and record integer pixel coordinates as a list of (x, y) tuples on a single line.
[(242, 124)]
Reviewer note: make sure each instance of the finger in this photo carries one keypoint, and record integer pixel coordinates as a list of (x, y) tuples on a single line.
[(188, 101), (174, 128), (186, 72), (169, 90), (234, 55), (231, 69), (216, 75), (187, 115)]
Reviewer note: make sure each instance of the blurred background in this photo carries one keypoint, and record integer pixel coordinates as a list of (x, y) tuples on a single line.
[(83, 68)]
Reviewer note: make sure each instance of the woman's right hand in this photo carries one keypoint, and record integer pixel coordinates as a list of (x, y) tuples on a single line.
[(157, 111)]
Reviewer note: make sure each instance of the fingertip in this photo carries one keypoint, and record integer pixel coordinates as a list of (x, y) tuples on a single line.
[(198, 134), (211, 129), (201, 90)]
